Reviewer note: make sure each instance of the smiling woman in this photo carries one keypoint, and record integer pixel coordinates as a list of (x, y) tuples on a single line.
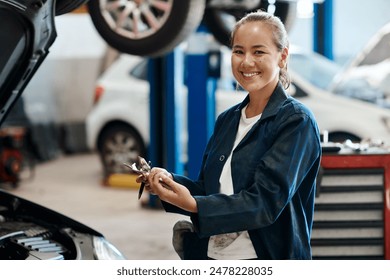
[(254, 196), (257, 62)]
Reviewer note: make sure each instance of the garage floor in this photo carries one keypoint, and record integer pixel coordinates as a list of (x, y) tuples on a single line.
[(72, 185)]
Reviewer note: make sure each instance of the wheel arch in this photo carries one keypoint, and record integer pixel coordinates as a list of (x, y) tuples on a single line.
[(341, 136), (113, 123)]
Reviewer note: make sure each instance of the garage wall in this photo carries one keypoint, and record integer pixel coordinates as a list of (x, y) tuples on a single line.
[(354, 23)]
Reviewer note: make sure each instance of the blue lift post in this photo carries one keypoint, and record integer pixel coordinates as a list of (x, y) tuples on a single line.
[(166, 78), (323, 28), (203, 69), (201, 65)]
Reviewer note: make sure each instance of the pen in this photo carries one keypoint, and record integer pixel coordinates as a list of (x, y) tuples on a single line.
[(141, 189)]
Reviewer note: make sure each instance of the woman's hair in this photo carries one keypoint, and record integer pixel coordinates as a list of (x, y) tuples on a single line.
[(279, 33)]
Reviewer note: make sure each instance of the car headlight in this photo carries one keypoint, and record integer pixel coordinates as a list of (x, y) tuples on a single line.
[(104, 250)]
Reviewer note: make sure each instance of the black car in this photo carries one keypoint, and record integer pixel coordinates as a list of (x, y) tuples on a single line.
[(29, 231)]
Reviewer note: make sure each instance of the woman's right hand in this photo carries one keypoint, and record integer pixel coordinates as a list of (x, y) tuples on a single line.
[(144, 178), (162, 184)]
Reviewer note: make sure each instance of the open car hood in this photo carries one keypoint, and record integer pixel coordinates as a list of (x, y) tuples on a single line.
[(371, 63), (27, 31)]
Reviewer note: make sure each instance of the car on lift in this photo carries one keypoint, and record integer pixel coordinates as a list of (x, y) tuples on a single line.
[(29, 231), (153, 28), (117, 127)]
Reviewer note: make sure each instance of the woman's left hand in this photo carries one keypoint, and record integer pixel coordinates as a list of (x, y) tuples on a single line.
[(169, 191)]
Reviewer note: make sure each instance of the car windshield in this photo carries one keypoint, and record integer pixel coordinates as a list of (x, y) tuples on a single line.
[(314, 68)]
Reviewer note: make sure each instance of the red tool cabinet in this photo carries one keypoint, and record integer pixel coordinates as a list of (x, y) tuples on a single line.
[(352, 210)]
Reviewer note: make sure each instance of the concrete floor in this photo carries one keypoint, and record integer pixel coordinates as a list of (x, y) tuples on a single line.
[(72, 185)]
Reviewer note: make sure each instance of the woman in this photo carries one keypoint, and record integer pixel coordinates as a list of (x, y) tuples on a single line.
[(254, 197)]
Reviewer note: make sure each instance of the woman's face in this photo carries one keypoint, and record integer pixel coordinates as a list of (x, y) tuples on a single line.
[(255, 59)]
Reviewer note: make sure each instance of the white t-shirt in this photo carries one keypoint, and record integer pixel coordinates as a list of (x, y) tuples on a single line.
[(236, 245)]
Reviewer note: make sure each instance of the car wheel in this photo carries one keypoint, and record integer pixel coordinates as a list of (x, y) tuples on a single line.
[(341, 137), (66, 6), (221, 22), (119, 144), (145, 28)]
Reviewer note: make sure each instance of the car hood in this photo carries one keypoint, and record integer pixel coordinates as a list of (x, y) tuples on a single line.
[(376, 49), (370, 64), (27, 31)]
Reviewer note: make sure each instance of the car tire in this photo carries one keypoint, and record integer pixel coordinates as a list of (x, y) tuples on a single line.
[(221, 22), (66, 6), (118, 144), (176, 24)]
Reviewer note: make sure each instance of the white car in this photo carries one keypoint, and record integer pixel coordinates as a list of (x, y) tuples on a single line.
[(118, 125)]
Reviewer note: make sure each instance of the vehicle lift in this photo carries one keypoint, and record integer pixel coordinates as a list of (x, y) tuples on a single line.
[(198, 68), (167, 76)]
